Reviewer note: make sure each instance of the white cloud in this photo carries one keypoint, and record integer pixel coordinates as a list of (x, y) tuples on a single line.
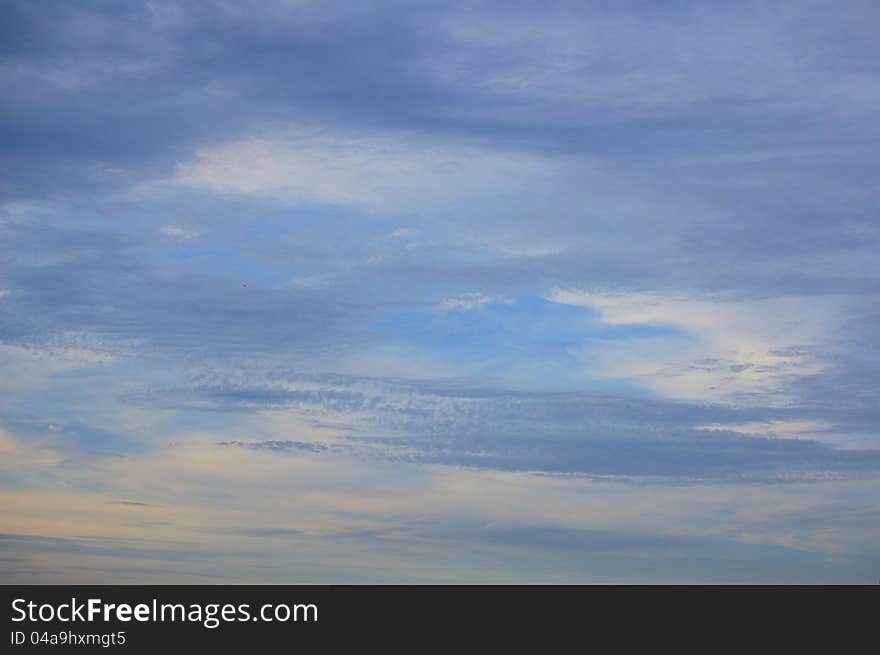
[(401, 233), (34, 367), (178, 232), (372, 171), (731, 347), (783, 429), (310, 282), (471, 300), (533, 251), (16, 453)]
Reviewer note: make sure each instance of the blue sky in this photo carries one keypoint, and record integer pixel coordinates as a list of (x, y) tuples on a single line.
[(439, 292)]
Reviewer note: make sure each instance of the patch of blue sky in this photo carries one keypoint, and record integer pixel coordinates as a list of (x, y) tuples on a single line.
[(506, 335)]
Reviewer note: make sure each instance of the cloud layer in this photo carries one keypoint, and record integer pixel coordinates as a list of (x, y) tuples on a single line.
[(578, 292)]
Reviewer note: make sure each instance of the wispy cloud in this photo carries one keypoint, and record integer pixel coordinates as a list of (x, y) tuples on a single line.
[(739, 347), (177, 232), (387, 171), (470, 300)]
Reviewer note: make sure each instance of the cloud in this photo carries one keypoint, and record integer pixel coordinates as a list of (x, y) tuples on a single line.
[(741, 346), (470, 300), (402, 233), (177, 232), (37, 366), (595, 435), (533, 252), (539, 527), (311, 282), (316, 165), (18, 454), (147, 312)]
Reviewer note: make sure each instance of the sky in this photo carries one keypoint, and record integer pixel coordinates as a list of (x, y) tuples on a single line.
[(439, 292)]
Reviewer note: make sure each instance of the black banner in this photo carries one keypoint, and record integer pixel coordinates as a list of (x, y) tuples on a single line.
[(150, 618)]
